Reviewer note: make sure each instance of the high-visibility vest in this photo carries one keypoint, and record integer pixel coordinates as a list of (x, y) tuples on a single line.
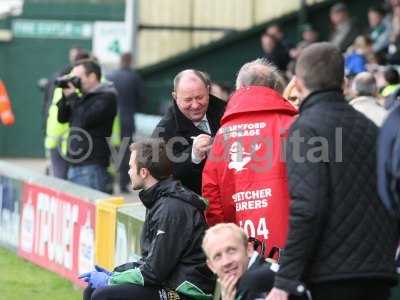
[(6, 114), (56, 132)]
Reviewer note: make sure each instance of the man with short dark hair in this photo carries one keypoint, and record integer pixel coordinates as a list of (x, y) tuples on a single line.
[(344, 28), (341, 241), (173, 265), (189, 125), (89, 107)]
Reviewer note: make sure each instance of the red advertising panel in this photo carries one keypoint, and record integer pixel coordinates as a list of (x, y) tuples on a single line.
[(57, 231)]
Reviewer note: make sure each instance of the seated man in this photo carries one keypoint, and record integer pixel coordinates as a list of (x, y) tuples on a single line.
[(173, 265), (242, 273)]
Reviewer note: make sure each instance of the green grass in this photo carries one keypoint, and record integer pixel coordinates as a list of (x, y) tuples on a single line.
[(21, 280)]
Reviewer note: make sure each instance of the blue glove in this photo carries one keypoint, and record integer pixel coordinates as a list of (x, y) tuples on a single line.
[(100, 269), (98, 278)]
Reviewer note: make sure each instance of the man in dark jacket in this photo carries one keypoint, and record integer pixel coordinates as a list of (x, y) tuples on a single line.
[(89, 108), (341, 241), (189, 125), (172, 263), (389, 162), (130, 89)]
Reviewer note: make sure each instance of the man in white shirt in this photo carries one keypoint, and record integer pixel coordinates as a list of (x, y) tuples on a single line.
[(365, 90)]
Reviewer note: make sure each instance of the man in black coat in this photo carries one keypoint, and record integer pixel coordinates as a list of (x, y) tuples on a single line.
[(341, 241), (129, 86), (90, 110), (189, 125)]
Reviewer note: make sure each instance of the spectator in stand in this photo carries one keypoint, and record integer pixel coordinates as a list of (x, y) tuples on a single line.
[(344, 29), (392, 81), (393, 52), (309, 35), (274, 51), (276, 31), (365, 91), (378, 31), (358, 56)]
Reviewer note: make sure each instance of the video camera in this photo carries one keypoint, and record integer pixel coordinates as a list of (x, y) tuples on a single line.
[(62, 82)]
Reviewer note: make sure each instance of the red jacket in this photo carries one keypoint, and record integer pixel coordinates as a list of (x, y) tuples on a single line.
[(245, 177)]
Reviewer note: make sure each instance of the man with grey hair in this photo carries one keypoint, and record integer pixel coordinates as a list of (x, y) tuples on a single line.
[(189, 125), (249, 185), (365, 90), (262, 73)]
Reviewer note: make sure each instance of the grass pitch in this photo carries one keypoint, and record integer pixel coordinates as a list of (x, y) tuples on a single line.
[(21, 280)]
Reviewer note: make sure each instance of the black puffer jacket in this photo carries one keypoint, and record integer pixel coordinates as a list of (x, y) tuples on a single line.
[(171, 240), (338, 227)]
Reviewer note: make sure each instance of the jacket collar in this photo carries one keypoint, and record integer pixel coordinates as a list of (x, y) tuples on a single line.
[(150, 195), (364, 100), (330, 95), (257, 98)]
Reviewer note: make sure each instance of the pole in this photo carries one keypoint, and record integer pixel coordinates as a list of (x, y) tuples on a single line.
[(132, 25)]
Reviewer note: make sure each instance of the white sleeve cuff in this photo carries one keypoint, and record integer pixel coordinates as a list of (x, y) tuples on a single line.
[(195, 159)]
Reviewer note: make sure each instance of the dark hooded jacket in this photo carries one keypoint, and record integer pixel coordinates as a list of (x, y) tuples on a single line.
[(91, 118), (171, 243)]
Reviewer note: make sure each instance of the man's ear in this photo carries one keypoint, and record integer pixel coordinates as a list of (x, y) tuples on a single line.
[(173, 95), (143, 172)]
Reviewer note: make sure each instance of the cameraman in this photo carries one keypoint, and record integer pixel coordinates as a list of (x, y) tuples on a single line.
[(89, 106)]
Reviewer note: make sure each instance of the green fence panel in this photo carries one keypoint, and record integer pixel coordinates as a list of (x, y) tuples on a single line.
[(130, 220)]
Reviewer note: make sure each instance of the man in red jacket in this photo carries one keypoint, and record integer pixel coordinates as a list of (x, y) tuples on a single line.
[(245, 177)]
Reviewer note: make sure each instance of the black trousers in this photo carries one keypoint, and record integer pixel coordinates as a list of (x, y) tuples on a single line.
[(124, 292), (351, 290)]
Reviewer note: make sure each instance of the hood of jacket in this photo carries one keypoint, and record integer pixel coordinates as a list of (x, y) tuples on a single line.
[(104, 87), (262, 99), (170, 188)]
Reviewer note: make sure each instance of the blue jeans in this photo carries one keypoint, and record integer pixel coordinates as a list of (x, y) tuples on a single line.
[(93, 176)]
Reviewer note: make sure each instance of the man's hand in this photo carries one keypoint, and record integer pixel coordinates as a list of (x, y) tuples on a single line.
[(201, 145), (277, 294), (98, 278), (71, 89), (228, 287)]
